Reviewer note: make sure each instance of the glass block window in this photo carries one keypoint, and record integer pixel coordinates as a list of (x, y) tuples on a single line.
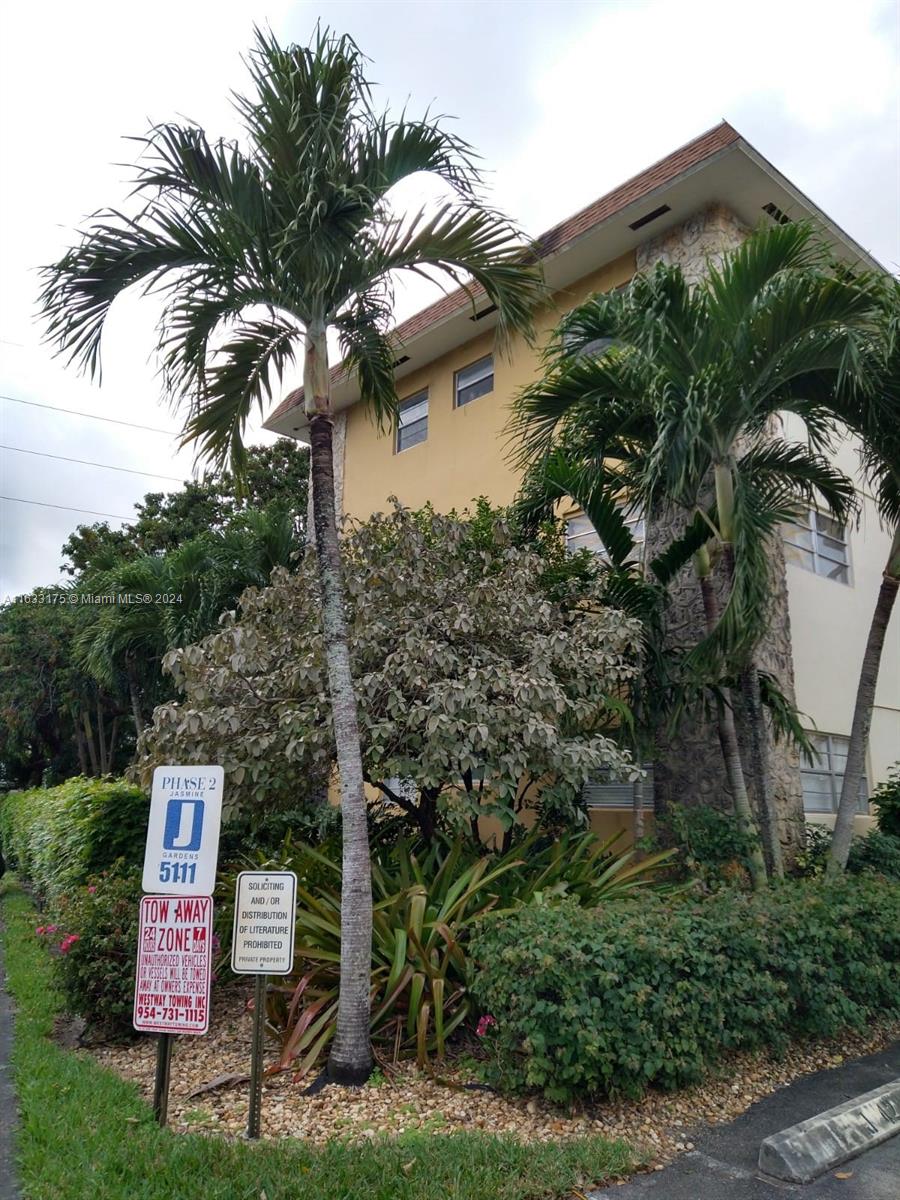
[(581, 535), (823, 779), (818, 543), (412, 427), (473, 381)]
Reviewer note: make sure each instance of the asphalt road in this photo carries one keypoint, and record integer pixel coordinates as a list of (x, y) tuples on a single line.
[(723, 1164)]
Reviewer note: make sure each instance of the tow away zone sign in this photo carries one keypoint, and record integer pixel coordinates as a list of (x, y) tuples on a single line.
[(174, 965)]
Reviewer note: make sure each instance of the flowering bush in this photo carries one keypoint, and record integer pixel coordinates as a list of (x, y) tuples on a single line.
[(95, 943), (648, 992)]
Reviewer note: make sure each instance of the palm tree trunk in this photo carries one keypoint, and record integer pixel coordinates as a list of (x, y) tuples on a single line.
[(730, 749), (135, 698), (759, 750), (350, 1058), (89, 739), (862, 712)]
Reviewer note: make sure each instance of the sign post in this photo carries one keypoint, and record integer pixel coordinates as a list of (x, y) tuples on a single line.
[(262, 944), (174, 967)]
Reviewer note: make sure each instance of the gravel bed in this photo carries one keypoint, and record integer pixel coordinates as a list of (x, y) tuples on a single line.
[(658, 1126)]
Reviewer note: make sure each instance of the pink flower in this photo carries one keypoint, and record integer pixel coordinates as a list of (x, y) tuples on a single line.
[(484, 1025), (41, 930), (51, 928), (91, 889), (68, 942)]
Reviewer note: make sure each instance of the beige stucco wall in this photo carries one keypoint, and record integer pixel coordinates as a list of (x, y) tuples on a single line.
[(830, 624), (466, 453)]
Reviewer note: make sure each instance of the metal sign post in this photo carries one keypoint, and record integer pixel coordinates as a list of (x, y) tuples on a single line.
[(161, 1082), (262, 944), (254, 1118)]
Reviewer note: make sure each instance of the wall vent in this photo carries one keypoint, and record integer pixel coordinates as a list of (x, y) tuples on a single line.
[(776, 213), (650, 216), (485, 312), (398, 362)]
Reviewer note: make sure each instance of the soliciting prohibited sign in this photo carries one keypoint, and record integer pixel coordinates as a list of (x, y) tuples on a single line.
[(264, 915), (174, 966)]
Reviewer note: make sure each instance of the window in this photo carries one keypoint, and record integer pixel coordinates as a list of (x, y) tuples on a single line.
[(818, 543), (413, 425), (823, 779), (606, 792), (473, 381), (581, 535)]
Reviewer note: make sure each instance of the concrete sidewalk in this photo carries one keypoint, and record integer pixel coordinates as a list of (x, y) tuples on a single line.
[(723, 1165), (9, 1188)]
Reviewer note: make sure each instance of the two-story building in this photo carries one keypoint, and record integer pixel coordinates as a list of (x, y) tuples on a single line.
[(452, 443)]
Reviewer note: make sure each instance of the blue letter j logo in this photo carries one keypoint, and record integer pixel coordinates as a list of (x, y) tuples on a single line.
[(184, 825)]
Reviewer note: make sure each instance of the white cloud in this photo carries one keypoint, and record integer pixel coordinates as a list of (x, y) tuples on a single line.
[(563, 100)]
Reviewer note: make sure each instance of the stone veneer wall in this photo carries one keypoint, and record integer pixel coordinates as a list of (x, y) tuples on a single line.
[(690, 768)]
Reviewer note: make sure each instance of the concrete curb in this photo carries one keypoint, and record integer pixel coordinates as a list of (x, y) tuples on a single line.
[(807, 1150)]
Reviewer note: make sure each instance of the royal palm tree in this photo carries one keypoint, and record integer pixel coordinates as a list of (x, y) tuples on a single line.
[(676, 392), (259, 250), (871, 409)]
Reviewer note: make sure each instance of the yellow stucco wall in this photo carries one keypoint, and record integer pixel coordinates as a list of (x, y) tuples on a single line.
[(466, 453)]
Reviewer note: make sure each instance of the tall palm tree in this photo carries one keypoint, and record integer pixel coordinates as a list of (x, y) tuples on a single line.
[(259, 251), (681, 406), (872, 412)]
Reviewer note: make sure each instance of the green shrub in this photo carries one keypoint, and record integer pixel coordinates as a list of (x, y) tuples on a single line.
[(715, 848), (887, 797), (426, 901), (649, 992), (875, 851), (93, 937), (56, 837), (812, 859)]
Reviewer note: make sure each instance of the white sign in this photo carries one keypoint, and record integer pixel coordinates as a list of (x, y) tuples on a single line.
[(174, 965), (264, 914), (183, 831)]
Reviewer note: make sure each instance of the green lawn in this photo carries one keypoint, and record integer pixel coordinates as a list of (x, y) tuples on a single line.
[(85, 1134)]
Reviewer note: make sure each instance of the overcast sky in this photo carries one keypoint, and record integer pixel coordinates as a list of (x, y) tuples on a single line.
[(563, 99)]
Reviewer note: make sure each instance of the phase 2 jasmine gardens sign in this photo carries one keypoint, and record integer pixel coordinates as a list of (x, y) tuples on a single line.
[(183, 830)]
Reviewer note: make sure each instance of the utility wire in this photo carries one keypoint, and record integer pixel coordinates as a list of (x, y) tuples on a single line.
[(84, 462), (93, 416), (67, 508)]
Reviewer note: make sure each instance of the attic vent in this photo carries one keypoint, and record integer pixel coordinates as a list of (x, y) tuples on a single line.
[(650, 216), (398, 362), (485, 312), (776, 214)]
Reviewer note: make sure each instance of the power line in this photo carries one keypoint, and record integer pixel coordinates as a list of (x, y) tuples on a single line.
[(93, 416), (66, 508), (84, 462)]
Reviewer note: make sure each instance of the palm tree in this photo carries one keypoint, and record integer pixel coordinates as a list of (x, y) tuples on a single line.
[(872, 412), (677, 392), (259, 251)]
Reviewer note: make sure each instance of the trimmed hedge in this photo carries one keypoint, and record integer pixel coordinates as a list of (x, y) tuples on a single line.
[(57, 837), (654, 991)]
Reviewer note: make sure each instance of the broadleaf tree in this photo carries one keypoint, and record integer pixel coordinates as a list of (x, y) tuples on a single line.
[(258, 250), (481, 672)]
